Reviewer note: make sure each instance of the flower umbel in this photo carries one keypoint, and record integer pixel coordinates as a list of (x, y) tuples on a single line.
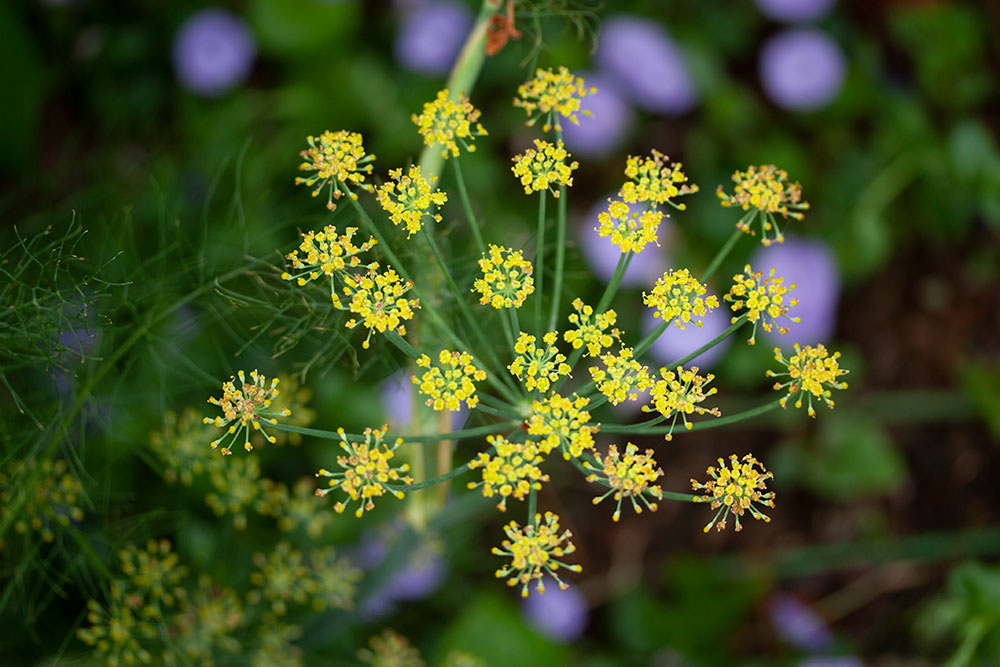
[(243, 409), (282, 578), (735, 490), (390, 649), (591, 330), (677, 296), (326, 253), (764, 299), (766, 190), (378, 299), (627, 476), (52, 500), (543, 167), (538, 367), (535, 550), (339, 160), (367, 472), (812, 371), (629, 231), (511, 471), (448, 123), (678, 395), (506, 280), (655, 180), (622, 377), (550, 93), (450, 382), (408, 199), (563, 423)]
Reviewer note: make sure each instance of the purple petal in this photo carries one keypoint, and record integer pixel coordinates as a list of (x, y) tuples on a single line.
[(603, 131), (213, 52), (641, 56), (795, 11), (802, 69), (797, 625), (560, 615), (811, 265), (431, 36)]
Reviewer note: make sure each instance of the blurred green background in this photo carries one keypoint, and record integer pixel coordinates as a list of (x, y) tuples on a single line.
[(140, 211)]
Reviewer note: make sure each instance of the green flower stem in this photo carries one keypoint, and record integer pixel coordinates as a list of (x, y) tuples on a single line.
[(686, 497), (560, 258), (514, 322), (740, 321), (109, 364), (650, 338), (496, 412), (475, 432), (408, 488), (532, 504), (695, 426), (460, 299), (404, 347), (540, 264), (470, 216), (505, 325), (631, 428), (721, 255)]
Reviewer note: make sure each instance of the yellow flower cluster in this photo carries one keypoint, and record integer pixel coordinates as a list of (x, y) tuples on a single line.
[(562, 423), (408, 199), (766, 190), (622, 377), (550, 93), (378, 299), (282, 577), (339, 160), (812, 371), (367, 472), (390, 649), (245, 408), (535, 550), (630, 476), (762, 297), (735, 490), (326, 253), (538, 367), (543, 167), (511, 471), (677, 296), (506, 280), (655, 180), (155, 573), (629, 231), (449, 122), (678, 395), (450, 382), (591, 330), (52, 501)]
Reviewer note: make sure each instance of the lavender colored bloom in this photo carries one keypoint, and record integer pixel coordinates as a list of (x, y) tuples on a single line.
[(602, 255), (214, 51), (602, 131), (675, 343), (421, 573), (809, 264), (831, 661), (802, 69), (650, 67), (795, 11), (797, 625), (560, 615), (431, 37)]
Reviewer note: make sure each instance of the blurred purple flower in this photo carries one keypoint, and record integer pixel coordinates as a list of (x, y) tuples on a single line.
[(603, 131), (641, 56), (811, 265), (802, 69), (560, 615), (431, 35), (797, 625), (795, 11), (675, 343), (831, 661), (422, 572), (397, 402), (602, 255), (214, 51)]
